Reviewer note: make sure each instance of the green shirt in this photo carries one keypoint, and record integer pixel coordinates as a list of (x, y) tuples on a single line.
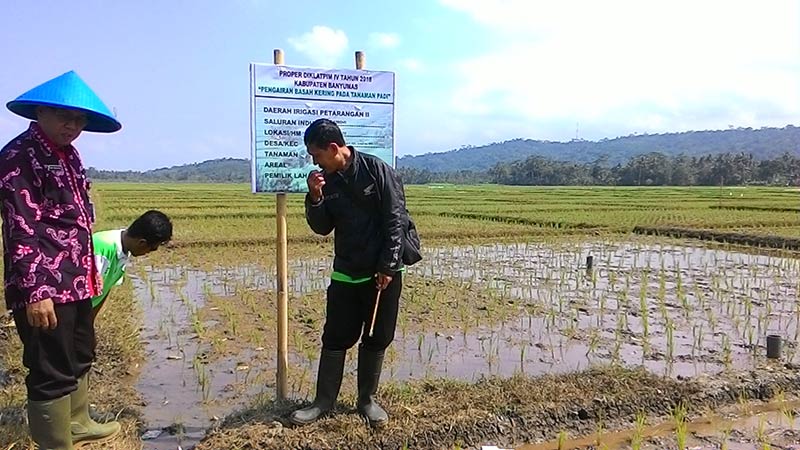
[(110, 261)]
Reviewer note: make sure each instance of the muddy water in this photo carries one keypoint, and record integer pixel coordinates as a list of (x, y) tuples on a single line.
[(774, 424), (184, 394), (678, 310)]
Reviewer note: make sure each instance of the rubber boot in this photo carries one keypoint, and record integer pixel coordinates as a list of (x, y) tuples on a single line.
[(84, 429), (49, 424), (329, 380), (370, 364)]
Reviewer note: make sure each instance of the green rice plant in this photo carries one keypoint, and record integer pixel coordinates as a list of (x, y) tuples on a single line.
[(744, 404), (797, 319), (712, 321), (662, 295), (670, 340), (599, 435), (637, 438), (697, 338), (203, 379), (727, 357), (594, 341), (681, 427), (698, 293), (767, 303), (644, 312), (726, 435), (789, 415), (562, 440), (601, 313), (624, 293), (197, 325), (761, 434)]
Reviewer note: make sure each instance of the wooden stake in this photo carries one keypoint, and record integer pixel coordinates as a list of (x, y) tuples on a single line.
[(282, 385), (361, 61), (375, 311)]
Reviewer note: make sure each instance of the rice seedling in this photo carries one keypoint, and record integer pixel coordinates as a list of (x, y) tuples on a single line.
[(637, 438), (727, 357), (670, 327), (599, 435), (681, 427), (761, 435), (786, 411), (726, 435), (562, 440)]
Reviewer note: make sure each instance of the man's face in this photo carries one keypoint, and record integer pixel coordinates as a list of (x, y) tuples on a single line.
[(327, 158), (62, 126), (142, 247)]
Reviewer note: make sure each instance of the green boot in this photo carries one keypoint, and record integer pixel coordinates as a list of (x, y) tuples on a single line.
[(49, 423), (84, 429)]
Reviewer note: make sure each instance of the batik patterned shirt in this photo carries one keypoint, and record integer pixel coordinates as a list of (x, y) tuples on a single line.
[(47, 222)]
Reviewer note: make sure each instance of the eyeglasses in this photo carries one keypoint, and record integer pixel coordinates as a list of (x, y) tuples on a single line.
[(78, 118)]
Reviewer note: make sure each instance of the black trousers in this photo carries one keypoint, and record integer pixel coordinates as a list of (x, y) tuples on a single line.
[(349, 313), (57, 358)]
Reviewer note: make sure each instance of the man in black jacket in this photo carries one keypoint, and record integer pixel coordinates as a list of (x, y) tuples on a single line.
[(360, 198)]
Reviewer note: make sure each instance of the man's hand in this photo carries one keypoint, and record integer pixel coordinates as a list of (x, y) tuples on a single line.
[(315, 182), (382, 280), (41, 314)]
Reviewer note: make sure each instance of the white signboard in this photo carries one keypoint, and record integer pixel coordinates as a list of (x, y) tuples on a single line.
[(284, 102)]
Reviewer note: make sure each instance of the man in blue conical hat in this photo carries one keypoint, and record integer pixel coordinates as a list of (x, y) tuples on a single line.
[(50, 274)]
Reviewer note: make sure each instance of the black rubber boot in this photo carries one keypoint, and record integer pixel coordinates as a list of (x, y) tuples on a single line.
[(370, 364), (329, 380)]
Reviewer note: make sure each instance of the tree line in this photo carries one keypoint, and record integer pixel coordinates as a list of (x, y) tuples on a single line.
[(649, 169)]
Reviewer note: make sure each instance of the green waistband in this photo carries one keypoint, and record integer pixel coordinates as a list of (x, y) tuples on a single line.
[(344, 278)]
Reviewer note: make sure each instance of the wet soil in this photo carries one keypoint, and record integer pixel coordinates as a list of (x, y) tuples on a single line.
[(485, 310), (517, 411)]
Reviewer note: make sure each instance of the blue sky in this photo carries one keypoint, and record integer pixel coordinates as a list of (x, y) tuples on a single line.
[(468, 72)]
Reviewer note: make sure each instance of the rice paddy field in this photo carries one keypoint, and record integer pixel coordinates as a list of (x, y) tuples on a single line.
[(540, 318)]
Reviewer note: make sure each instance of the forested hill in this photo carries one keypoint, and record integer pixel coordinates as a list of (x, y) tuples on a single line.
[(226, 170), (764, 143)]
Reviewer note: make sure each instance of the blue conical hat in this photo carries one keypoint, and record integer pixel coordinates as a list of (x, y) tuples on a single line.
[(67, 91)]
